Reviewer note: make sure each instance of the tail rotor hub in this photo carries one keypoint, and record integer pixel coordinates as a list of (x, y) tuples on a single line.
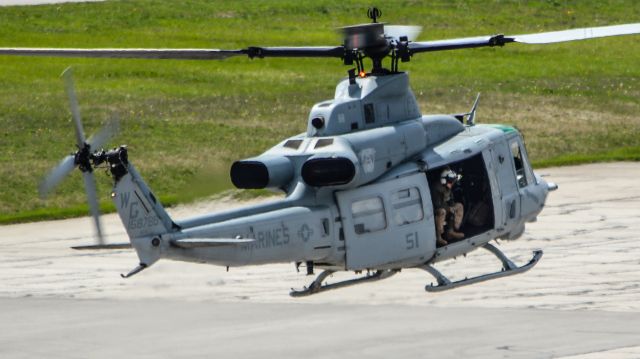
[(82, 158)]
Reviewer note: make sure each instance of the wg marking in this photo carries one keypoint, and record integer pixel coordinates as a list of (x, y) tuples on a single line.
[(135, 222)]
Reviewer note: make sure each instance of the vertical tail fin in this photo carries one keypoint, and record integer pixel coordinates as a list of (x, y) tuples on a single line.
[(144, 218), (141, 213)]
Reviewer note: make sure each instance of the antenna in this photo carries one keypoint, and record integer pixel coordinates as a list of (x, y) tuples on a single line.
[(374, 13), (471, 120)]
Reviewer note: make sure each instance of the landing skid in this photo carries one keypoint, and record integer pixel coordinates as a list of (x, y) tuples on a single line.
[(508, 268), (316, 286)]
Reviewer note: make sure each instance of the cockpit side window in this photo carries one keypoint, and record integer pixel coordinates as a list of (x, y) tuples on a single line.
[(531, 178), (519, 164)]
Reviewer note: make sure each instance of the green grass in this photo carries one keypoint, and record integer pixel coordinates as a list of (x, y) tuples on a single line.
[(186, 121), (619, 154)]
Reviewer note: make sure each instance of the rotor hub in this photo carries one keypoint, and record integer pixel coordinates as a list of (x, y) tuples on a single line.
[(82, 158)]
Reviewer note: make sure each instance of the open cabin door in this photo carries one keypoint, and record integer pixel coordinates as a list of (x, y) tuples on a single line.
[(388, 223)]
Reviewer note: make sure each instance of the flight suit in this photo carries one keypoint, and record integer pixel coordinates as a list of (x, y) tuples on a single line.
[(444, 204)]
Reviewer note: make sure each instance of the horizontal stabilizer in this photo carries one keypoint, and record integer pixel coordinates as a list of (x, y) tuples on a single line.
[(209, 242), (104, 246)]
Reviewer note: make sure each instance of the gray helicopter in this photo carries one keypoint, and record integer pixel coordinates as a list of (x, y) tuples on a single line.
[(373, 186)]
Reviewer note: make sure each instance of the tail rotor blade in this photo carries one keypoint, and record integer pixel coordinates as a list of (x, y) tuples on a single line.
[(109, 130), (56, 175), (67, 75), (92, 197), (82, 158)]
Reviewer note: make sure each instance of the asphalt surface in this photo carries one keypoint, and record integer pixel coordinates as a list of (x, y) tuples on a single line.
[(65, 328)]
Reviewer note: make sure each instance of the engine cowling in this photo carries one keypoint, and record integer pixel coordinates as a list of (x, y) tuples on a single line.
[(328, 171), (262, 172)]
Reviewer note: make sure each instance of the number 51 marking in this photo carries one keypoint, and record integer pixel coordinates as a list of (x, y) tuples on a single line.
[(412, 241)]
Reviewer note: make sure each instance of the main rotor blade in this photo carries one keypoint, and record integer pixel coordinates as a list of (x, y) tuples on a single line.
[(541, 38), (185, 54), (332, 51), (106, 132), (67, 75), (56, 175), (578, 34), (455, 44), (94, 207), (295, 51), (180, 54)]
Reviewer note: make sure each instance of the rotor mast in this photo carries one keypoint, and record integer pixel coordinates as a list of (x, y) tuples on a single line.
[(370, 40)]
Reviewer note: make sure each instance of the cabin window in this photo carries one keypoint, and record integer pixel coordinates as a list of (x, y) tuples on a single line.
[(407, 206), (369, 116), (518, 162), (368, 215)]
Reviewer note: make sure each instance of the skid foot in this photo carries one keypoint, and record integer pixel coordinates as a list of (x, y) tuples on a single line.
[(508, 269), (316, 286)]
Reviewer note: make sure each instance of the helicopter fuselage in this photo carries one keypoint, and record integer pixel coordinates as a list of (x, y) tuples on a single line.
[(379, 215), (402, 233), (359, 183)]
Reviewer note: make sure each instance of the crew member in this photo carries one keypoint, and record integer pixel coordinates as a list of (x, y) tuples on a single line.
[(445, 207)]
